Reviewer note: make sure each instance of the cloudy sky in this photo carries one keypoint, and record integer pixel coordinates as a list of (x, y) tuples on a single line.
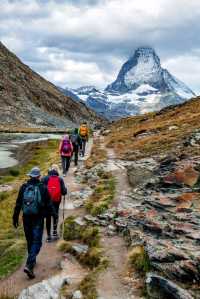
[(79, 42)]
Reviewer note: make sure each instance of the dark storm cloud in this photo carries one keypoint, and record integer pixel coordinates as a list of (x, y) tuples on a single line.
[(86, 41)]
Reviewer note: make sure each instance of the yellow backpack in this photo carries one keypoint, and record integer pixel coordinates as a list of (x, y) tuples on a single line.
[(83, 131)]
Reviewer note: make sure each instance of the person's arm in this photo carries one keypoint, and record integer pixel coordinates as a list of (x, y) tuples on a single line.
[(63, 187), (18, 206), (44, 180), (72, 148)]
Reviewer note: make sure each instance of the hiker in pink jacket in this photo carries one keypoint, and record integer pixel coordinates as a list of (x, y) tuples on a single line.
[(66, 152)]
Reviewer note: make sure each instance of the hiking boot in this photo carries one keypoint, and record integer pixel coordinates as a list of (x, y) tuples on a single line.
[(55, 235), (49, 239), (29, 272)]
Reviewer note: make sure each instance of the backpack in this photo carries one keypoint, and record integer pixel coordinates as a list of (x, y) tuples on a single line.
[(74, 139), (31, 202), (83, 131), (66, 147), (54, 188)]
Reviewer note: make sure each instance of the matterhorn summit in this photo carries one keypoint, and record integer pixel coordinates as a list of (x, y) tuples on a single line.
[(142, 85)]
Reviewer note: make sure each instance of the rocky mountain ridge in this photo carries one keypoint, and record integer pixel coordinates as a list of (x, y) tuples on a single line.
[(27, 99)]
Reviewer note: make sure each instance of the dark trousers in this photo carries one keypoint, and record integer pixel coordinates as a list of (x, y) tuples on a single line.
[(65, 163), (33, 229), (55, 219), (83, 145), (75, 153)]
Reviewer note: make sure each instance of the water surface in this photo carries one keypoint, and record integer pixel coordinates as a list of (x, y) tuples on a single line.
[(11, 142)]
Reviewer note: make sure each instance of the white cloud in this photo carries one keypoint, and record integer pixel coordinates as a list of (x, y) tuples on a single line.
[(186, 69), (84, 41)]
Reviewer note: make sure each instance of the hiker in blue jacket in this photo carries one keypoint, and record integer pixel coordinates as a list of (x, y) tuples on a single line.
[(35, 202)]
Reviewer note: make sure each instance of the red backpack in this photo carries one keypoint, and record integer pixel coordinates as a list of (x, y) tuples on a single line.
[(54, 188)]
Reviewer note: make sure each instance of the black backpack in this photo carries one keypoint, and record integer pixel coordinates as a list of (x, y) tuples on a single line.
[(31, 202)]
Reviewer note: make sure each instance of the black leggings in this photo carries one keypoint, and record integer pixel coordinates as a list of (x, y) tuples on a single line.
[(55, 219), (65, 164)]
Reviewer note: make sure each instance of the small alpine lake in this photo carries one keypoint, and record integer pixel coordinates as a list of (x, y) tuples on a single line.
[(12, 143)]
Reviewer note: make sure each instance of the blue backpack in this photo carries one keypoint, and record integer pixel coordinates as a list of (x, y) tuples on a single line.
[(31, 203)]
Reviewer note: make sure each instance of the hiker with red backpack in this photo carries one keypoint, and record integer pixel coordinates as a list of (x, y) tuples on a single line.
[(66, 152), (56, 188)]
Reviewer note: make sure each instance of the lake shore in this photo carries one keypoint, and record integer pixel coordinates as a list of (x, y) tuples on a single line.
[(14, 129)]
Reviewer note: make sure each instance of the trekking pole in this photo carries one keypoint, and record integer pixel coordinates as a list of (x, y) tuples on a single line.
[(63, 224)]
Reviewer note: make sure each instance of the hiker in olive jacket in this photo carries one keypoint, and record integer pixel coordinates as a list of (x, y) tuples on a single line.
[(34, 201)]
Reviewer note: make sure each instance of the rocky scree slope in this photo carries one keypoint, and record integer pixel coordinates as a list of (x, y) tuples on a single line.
[(28, 99), (161, 154), (142, 85)]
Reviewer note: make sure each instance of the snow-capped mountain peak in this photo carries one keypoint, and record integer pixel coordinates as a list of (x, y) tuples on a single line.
[(142, 85), (142, 68)]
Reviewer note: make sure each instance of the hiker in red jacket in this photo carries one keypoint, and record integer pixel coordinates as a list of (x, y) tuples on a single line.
[(66, 152), (56, 188)]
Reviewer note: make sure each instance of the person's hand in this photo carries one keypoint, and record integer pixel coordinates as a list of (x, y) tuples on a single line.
[(15, 222)]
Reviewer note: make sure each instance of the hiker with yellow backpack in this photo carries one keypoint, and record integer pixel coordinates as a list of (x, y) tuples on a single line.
[(84, 134)]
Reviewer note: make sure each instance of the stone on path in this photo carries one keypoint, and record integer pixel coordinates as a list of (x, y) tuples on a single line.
[(46, 289), (77, 295)]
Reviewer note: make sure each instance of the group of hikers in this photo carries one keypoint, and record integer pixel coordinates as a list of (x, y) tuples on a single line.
[(40, 198), (72, 145)]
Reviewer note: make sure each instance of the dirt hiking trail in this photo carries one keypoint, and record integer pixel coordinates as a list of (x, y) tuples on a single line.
[(115, 283)]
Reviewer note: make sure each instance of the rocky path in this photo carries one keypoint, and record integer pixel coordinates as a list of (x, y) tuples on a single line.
[(115, 283), (49, 259)]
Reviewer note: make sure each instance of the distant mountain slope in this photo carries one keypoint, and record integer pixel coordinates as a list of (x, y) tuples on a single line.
[(142, 85), (28, 99), (174, 129)]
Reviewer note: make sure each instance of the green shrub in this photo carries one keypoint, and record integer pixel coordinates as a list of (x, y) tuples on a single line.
[(90, 236), (3, 195), (63, 246), (92, 258), (139, 260), (72, 230), (14, 172), (88, 286)]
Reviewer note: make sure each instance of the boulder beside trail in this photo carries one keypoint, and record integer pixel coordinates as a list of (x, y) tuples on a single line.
[(160, 288), (138, 176)]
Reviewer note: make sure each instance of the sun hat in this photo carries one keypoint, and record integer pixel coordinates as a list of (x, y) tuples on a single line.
[(35, 172)]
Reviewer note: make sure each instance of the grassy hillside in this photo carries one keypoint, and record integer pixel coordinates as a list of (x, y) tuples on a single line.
[(156, 133)]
